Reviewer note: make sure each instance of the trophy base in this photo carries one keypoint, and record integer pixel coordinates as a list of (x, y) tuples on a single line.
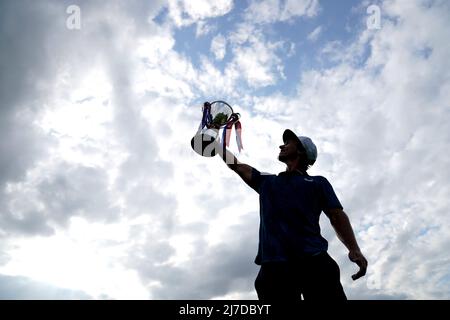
[(203, 144)]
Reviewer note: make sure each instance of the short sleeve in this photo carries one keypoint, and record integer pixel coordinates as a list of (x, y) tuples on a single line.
[(329, 197), (258, 179)]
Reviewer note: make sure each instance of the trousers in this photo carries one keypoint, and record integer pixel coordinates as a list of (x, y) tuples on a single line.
[(313, 278)]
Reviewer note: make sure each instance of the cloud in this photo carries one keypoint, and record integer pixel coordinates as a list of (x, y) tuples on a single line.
[(255, 58), (275, 10), (69, 187), (259, 64), (187, 12), (314, 35), (22, 288), (204, 28), (219, 269), (218, 47), (24, 87), (292, 8), (76, 190), (77, 145)]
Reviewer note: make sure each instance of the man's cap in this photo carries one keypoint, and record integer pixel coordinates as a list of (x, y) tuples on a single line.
[(308, 145)]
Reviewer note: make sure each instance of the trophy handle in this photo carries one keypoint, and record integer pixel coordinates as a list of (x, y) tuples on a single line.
[(235, 117)]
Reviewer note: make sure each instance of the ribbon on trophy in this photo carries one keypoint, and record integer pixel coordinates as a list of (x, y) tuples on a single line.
[(226, 135), (207, 117)]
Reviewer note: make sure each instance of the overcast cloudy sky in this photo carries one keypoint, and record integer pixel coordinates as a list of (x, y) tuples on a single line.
[(101, 196)]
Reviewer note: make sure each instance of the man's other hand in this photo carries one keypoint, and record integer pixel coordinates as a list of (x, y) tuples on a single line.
[(358, 258)]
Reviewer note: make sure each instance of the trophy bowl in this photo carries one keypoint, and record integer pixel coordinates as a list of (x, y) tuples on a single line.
[(203, 142)]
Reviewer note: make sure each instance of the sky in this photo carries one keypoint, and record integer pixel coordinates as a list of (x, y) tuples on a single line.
[(102, 197)]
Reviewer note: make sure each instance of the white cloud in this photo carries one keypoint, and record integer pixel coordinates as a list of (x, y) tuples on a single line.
[(22, 288), (314, 35), (259, 64), (269, 11), (184, 12), (292, 8), (255, 58), (70, 260), (87, 118), (218, 46), (204, 28)]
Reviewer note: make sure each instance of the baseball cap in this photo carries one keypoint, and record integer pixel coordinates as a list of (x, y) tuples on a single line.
[(310, 147)]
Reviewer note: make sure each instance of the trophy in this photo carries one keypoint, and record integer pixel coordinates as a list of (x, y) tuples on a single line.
[(217, 115)]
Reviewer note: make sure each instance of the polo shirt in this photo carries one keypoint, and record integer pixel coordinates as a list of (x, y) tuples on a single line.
[(290, 208)]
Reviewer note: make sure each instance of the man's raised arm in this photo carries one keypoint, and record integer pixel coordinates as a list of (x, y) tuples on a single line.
[(242, 169)]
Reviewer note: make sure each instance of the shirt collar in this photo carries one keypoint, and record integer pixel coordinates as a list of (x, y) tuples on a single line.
[(293, 173)]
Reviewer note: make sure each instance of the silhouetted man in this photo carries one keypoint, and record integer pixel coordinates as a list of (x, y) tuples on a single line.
[(291, 252)]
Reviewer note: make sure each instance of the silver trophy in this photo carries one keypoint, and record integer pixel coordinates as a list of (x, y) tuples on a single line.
[(217, 115)]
